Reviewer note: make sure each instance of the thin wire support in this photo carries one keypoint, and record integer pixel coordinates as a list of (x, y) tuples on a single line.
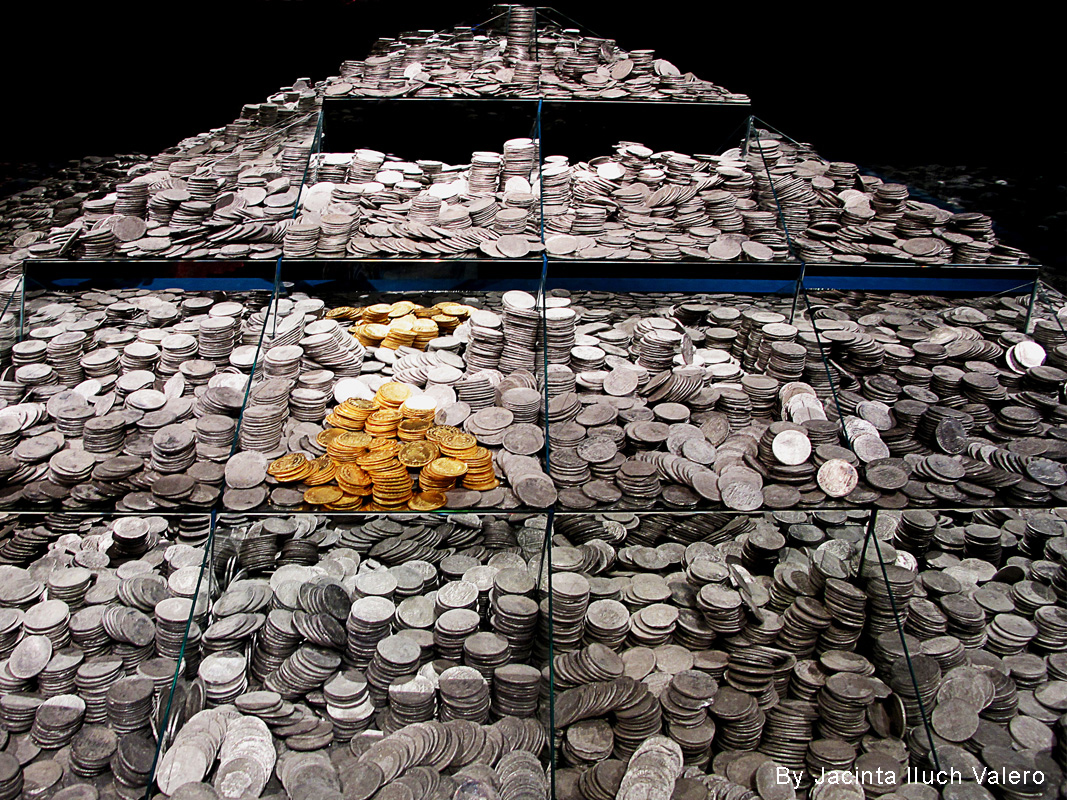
[(829, 372), (900, 632), (781, 219), (208, 546)]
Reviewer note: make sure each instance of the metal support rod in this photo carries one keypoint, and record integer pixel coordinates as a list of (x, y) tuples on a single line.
[(1028, 327), (748, 136), (551, 658), (903, 641), (179, 668), (797, 289)]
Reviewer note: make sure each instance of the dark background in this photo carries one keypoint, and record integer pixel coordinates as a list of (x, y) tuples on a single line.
[(955, 98)]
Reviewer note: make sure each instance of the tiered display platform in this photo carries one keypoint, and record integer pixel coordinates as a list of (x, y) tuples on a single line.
[(537, 442)]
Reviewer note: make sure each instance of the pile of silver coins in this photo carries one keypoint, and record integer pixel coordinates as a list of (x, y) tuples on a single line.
[(528, 57), (521, 545), (791, 653), (675, 654), (256, 192), (408, 670), (143, 401), (769, 200), (224, 193)]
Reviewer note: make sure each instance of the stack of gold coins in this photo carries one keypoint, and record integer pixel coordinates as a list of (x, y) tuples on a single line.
[(377, 313), (291, 468), (480, 476), (416, 455), (442, 473), (391, 395), (355, 480), (459, 445), (426, 331), (421, 407), (348, 446), (370, 334), (347, 502), (382, 423), (402, 324), (393, 485), (449, 316), (344, 312), (401, 333), (428, 501), (438, 433), (413, 430), (351, 414), (378, 451), (324, 472)]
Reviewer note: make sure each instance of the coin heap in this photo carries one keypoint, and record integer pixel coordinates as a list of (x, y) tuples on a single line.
[(634, 204), (364, 457), (404, 324), (673, 400), (87, 678), (806, 679), (234, 204), (661, 404), (126, 427), (463, 62)]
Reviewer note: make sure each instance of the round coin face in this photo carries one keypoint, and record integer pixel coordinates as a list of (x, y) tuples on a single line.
[(791, 447), (837, 477)]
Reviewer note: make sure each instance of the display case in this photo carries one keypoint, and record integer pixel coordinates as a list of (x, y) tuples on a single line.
[(389, 465)]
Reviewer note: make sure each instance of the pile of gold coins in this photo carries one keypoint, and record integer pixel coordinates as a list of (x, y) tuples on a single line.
[(401, 324), (387, 454)]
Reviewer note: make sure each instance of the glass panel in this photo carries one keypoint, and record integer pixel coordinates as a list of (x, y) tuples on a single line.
[(343, 640), (94, 616), (128, 398)]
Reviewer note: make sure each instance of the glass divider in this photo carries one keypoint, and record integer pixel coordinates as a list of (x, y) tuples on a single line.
[(779, 212), (170, 716), (545, 572), (14, 287), (926, 690)]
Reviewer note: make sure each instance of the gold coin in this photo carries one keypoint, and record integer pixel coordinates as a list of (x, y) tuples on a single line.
[(418, 454), (323, 470), (342, 312), (348, 502), (393, 394), (462, 441), (325, 437), (376, 460), (321, 495), (428, 501), (374, 330), (481, 486), (449, 467), (287, 464), (352, 473), (386, 415), (439, 433), (354, 440), (296, 475), (480, 456), (385, 445), (455, 309)]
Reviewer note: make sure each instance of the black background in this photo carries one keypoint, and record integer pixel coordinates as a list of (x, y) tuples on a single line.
[(914, 83)]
